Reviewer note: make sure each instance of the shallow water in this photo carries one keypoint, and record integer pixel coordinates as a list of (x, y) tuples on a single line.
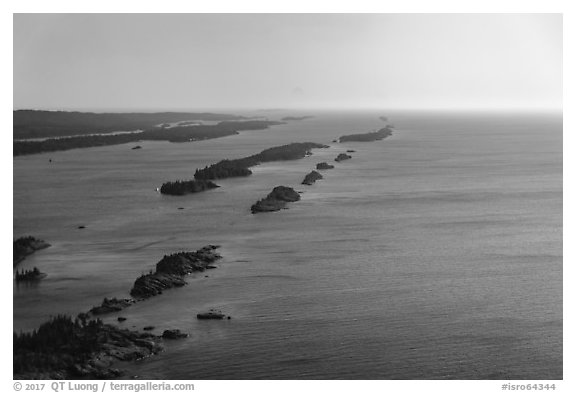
[(435, 253)]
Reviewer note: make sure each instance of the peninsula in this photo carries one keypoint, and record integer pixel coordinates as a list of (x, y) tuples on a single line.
[(25, 246), (188, 133), (48, 124)]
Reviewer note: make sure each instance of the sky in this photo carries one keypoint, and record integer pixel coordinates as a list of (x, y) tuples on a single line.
[(119, 62)]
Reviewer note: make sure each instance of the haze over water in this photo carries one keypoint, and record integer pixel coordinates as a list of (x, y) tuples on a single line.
[(435, 253)]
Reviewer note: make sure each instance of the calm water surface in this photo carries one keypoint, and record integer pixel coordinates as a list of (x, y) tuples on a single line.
[(436, 253)]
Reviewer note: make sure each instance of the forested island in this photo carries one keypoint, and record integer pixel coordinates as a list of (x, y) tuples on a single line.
[(25, 246), (172, 134), (239, 167), (46, 124), (369, 136), (186, 187)]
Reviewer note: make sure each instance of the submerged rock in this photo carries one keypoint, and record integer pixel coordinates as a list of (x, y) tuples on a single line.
[(173, 334), (311, 178), (137, 147), (212, 314)]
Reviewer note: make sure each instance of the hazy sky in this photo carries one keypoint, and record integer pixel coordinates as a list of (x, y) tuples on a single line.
[(206, 61)]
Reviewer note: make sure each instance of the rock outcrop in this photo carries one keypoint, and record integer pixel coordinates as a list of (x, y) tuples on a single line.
[(324, 165), (342, 157), (111, 305), (311, 178), (276, 200)]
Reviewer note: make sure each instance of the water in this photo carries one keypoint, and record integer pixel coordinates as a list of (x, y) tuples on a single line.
[(433, 254)]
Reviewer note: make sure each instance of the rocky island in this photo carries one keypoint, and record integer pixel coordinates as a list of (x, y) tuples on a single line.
[(170, 271), (342, 157), (276, 200), (66, 348), (311, 178), (111, 305), (369, 136), (186, 187), (324, 165), (25, 246)]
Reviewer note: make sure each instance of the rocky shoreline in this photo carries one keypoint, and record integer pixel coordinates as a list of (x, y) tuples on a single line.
[(66, 348)]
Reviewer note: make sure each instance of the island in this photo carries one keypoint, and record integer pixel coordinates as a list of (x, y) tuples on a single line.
[(30, 275), (296, 118), (79, 348), (240, 167), (369, 136), (24, 246), (170, 271), (186, 187), (324, 165), (188, 133), (275, 200), (342, 157), (311, 178)]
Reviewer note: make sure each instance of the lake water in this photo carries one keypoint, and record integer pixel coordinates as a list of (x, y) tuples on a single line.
[(433, 254)]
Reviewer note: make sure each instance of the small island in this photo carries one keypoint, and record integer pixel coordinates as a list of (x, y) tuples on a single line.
[(25, 246), (276, 200), (369, 136), (311, 178), (342, 157), (30, 275), (186, 187), (324, 165)]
